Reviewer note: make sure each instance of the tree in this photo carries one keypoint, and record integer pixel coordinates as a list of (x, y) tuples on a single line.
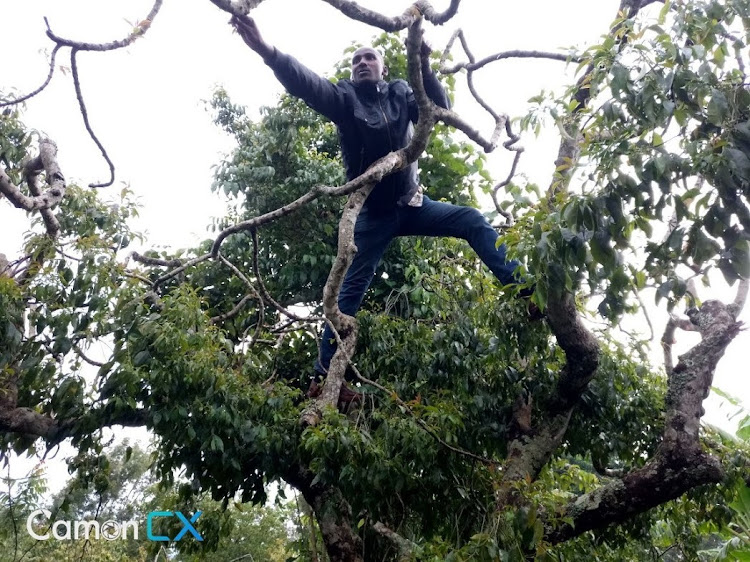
[(483, 436)]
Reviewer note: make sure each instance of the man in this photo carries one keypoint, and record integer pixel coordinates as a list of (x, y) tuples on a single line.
[(374, 118)]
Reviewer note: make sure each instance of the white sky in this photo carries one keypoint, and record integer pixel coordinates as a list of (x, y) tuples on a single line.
[(146, 102)]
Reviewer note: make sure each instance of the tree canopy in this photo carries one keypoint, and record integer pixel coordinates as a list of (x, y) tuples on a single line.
[(483, 435)]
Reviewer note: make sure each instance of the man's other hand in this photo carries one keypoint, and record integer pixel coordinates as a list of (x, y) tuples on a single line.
[(248, 30)]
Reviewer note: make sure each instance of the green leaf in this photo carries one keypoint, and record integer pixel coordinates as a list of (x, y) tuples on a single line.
[(718, 107), (141, 358), (743, 431)]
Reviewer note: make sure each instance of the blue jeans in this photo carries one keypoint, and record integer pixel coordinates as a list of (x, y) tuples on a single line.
[(373, 233)]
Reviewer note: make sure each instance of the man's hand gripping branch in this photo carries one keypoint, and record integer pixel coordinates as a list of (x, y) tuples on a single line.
[(248, 30)]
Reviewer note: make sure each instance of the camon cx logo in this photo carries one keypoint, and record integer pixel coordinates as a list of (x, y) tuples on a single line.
[(187, 525), (39, 527)]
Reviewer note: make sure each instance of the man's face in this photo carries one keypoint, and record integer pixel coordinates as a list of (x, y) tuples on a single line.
[(367, 66)]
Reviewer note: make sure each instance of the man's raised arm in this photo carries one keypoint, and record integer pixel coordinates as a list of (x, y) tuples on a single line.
[(432, 86), (319, 93)]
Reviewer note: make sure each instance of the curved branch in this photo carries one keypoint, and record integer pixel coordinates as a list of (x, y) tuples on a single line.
[(412, 14), (78, 351), (346, 326), (739, 300), (512, 54), (233, 312), (147, 260), (40, 88), (249, 285), (45, 162), (267, 296), (51, 224), (139, 31), (87, 124), (680, 462), (167, 276), (431, 432), (668, 339)]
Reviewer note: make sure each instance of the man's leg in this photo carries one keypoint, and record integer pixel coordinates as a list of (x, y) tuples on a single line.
[(434, 218), (372, 234)]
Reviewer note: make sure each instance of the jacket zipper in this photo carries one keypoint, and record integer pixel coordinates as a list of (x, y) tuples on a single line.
[(387, 123), (361, 161)]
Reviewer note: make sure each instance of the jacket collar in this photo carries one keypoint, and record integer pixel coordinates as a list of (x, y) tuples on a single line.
[(370, 89)]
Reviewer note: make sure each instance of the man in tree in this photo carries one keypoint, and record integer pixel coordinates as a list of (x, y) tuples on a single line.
[(374, 118)]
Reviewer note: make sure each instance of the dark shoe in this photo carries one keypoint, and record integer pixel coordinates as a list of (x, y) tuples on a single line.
[(348, 397), (534, 313), (314, 390)]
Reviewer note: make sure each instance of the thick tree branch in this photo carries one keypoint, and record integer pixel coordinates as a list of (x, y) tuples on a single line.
[(739, 300), (680, 462), (404, 546), (412, 14), (333, 512), (529, 453), (46, 161), (29, 422), (149, 260), (421, 8), (668, 339)]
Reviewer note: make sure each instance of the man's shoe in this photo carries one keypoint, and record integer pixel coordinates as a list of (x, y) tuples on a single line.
[(534, 313), (347, 396), (314, 390)]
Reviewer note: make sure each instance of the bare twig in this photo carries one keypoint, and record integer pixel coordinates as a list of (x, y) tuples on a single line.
[(420, 422), (169, 275), (137, 32), (267, 296), (87, 359), (513, 54), (148, 260), (253, 291), (233, 312), (87, 123), (40, 88), (76, 46)]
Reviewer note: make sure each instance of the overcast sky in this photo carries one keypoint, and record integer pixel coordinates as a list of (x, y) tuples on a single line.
[(146, 102)]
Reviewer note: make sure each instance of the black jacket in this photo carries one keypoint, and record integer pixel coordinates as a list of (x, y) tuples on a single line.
[(372, 120)]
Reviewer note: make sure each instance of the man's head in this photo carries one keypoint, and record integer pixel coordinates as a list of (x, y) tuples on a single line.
[(368, 66)]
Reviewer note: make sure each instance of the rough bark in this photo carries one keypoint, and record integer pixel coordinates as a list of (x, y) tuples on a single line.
[(529, 452), (680, 462), (333, 513), (45, 162)]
